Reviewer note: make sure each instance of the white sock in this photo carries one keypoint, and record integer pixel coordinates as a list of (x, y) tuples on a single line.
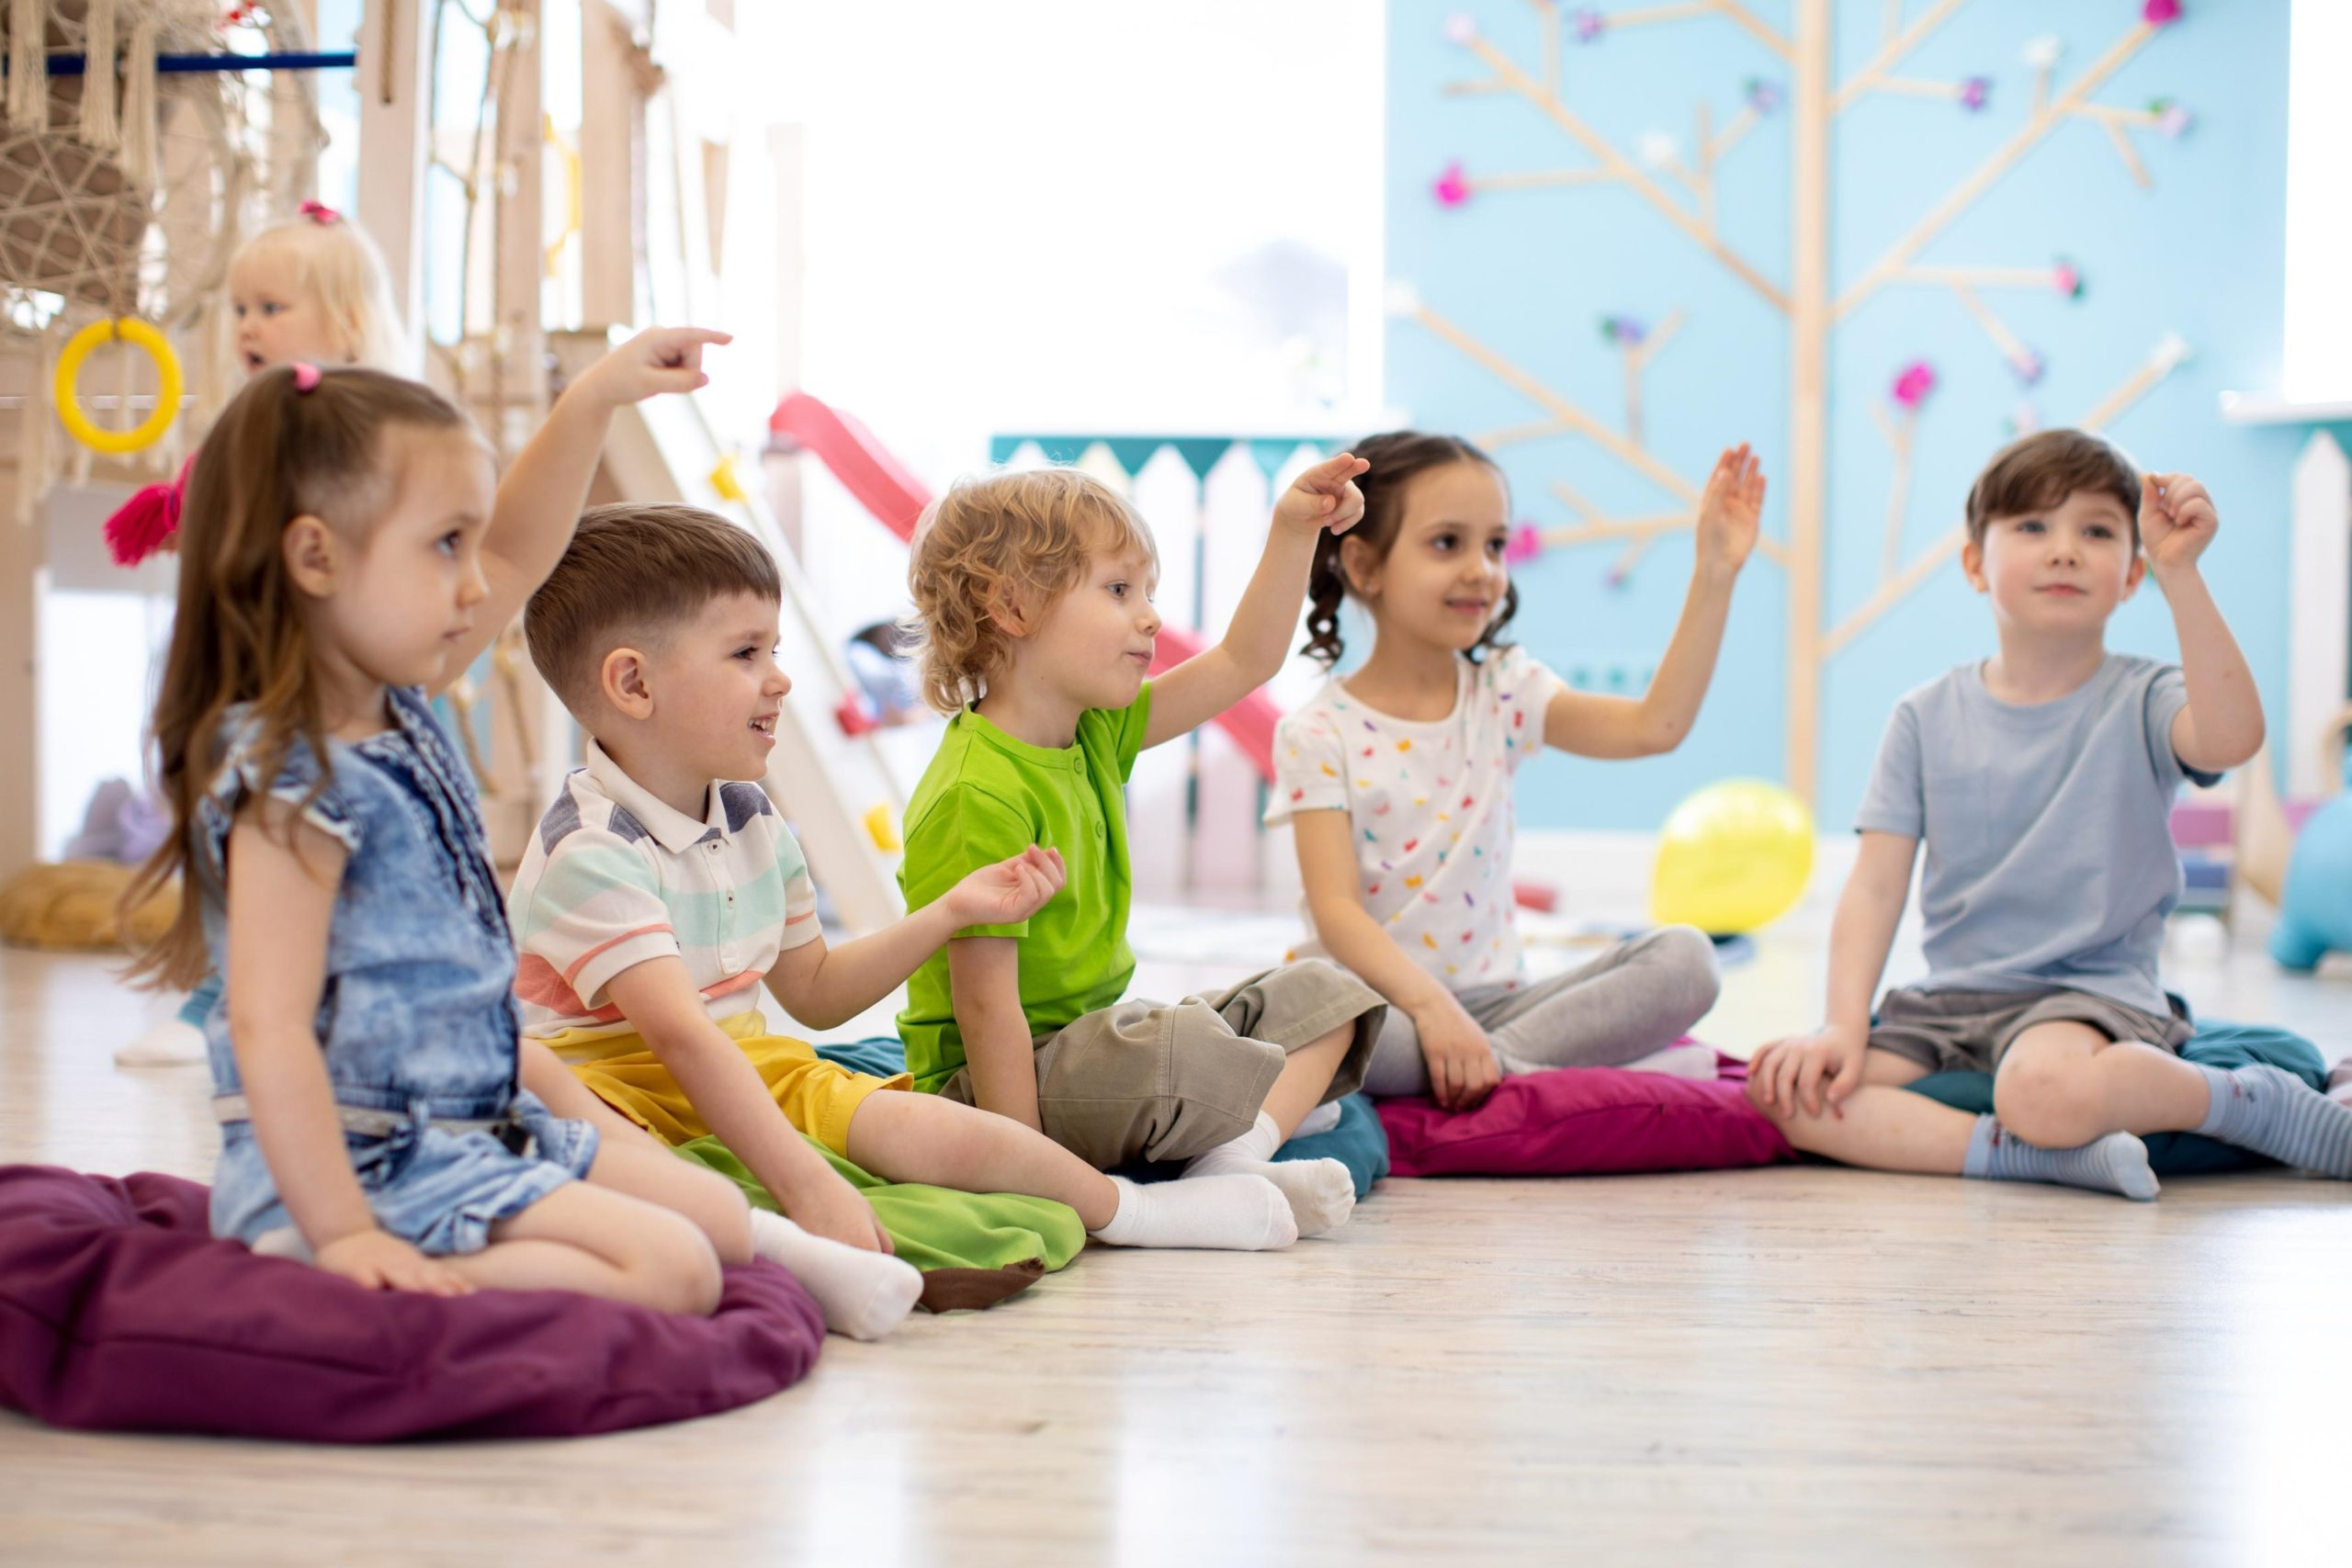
[(169, 1040), (1317, 1121), (1230, 1213), (1692, 1060), (862, 1295), (1321, 1192)]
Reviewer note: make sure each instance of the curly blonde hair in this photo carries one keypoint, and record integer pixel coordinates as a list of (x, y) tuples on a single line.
[(1022, 538)]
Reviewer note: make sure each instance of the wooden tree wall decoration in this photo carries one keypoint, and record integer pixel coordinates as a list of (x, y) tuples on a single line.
[(1681, 190)]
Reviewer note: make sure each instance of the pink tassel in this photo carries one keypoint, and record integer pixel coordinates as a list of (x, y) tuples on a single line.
[(148, 520)]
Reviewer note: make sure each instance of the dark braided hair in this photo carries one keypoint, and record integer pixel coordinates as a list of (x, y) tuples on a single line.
[(1396, 458)]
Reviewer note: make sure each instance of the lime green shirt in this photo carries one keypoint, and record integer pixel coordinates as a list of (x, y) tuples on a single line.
[(988, 796)]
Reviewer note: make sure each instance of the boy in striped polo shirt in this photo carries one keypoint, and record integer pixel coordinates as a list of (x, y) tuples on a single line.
[(662, 891)]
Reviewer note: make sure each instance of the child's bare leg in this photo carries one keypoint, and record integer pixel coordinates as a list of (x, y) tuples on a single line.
[(921, 1137), (643, 1168), (1322, 1193), (862, 1295), (1305, 1075), (2065, 1083), (1886, 1127), (601, 1243), (2061, 1079)]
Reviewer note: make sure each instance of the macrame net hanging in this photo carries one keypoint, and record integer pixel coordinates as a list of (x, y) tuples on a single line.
[(124, 191)]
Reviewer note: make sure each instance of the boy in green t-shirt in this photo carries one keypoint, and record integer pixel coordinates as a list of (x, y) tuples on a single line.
[(1035, 591)]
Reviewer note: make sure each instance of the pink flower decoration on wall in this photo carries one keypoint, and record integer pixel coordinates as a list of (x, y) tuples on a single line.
[(1452, 189), (2173, 117), (1523, 546), (2160, 13), (1461, 27), (2067, 278), (1764, 96), (1912, 385), (1975, 93), (2026, 366), (1590, 25)]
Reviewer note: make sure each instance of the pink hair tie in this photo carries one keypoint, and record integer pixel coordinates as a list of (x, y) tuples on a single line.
[(306, 377), (320, 212)]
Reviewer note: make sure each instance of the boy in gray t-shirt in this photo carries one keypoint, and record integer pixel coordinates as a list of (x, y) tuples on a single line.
[(2040, 782)]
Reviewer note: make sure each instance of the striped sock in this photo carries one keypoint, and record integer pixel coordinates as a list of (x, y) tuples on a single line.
[(2116, 1163), (2272, 1111)]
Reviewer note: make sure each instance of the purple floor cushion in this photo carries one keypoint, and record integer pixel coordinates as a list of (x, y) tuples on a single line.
[(120, 1310), (1587, 1121)]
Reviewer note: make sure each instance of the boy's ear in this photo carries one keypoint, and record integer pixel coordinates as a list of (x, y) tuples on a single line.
[(622, 680), (1006, 613), (2132, 578), (313, 555), (1972, 561)]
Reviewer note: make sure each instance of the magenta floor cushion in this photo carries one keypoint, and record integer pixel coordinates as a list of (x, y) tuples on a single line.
[(1587, 1121), (120, 1310)]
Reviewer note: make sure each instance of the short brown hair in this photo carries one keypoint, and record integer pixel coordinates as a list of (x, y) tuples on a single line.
[(634, 571), (2042, 470), (1025, 533)]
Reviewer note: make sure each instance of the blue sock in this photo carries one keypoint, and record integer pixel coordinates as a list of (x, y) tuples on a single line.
[(2116, 1163), (2272, 1111)]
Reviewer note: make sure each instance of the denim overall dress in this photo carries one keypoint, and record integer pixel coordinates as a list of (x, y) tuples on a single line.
[(418, 1017)]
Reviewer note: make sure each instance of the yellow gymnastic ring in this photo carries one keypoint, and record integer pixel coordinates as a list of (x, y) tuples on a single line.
[(115, 443)]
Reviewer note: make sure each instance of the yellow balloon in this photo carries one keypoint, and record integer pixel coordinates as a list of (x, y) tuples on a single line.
[(1733, 857)]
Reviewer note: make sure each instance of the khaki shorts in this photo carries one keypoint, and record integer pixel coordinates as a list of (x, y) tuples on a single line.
[(1970, 1031), (1148, 1080)]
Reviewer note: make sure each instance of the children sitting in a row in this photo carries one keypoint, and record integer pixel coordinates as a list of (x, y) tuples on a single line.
[(392, 1109)]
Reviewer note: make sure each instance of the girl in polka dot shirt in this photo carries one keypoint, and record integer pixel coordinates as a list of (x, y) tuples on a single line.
[(1396, 778)]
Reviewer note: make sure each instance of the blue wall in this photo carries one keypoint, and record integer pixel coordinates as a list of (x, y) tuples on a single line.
[(1531, 273)]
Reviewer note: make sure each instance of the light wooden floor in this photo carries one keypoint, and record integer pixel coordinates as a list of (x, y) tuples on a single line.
[(1793, 1365)]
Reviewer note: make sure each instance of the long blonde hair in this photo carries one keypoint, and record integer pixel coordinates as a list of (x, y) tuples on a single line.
[(278, 453)]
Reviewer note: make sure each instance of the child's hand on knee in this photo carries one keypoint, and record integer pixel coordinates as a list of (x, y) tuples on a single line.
[(829, 1206), (1461, 1059), (1806, 1072), (381, 1261)]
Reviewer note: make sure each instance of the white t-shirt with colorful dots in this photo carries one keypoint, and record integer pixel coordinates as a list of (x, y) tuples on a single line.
[(1430, 808)]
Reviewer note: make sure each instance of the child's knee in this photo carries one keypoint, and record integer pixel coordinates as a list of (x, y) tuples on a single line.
[(677, 1265), (718, 1206), (1688, 954), (2046, 1102)]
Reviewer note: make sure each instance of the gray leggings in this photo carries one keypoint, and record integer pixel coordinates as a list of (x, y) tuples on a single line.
[(1637, 997)]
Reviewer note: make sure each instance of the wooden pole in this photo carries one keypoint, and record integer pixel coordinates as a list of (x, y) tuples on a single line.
[(395, 65), (1810, 99)]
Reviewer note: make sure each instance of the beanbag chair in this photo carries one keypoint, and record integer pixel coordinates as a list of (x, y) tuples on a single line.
[(1357, 1141), (2215, 1044), (120, 1310), (1587, 1121), (974, 1248)]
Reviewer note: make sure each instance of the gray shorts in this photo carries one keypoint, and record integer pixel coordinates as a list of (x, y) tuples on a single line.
[(1970, 1031), (1151, 1080)]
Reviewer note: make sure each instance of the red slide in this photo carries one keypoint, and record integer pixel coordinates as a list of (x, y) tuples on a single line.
[(895, 497)]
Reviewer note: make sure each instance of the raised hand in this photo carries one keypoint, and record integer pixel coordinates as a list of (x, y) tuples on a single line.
[(1731, 509), (656, 360), (2176, 520), (1325, 496)]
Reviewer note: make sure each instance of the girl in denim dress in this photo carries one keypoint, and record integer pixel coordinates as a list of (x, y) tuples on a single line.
[(344, 555)]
